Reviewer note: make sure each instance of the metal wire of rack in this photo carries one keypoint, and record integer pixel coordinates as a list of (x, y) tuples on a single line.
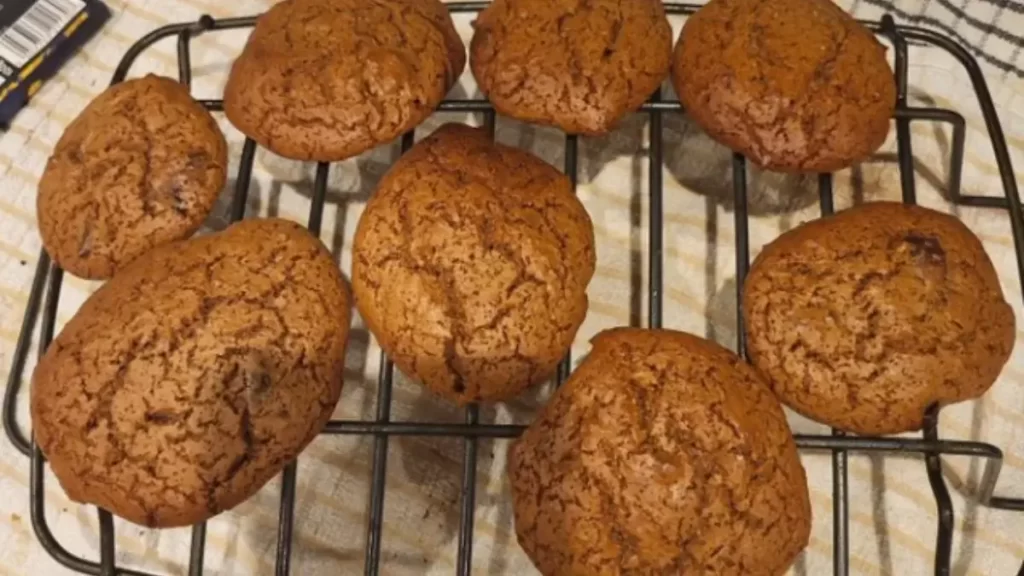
[(48, 279)]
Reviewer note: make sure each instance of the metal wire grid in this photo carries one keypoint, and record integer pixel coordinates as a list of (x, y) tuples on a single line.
[(48, 278)]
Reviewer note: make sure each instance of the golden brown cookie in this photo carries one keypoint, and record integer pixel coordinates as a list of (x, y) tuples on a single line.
[(141, 166), (580, 65), (329, 79), (663, 454), (470, 266), (795, 85), (865, 319), (195, 375)]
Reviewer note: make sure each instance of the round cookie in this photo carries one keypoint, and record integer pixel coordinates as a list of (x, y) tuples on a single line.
[(795, 85), (195, 375), (470, 266), (578, 66), (865, 319), (664, 453), (327, 80), (142, 165)]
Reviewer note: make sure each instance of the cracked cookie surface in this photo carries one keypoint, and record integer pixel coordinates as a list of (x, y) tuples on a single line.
[(863, 320), (195, 375), (664, 453), (142, 165), (471, 264), (795, 85), (327, 80), (580, 65)]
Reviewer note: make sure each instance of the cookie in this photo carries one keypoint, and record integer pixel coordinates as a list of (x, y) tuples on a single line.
[(794, 85), (580, 66), (664, 453), (195, 375), (470, 266), (329, 79), (865, 319), (141, 166)]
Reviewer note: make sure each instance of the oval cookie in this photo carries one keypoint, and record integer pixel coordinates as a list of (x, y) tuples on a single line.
[(141, 166), (329, 79), (663, 454), (865, 319), (580, 66), (195, 375), (795, 85), (471, 264)]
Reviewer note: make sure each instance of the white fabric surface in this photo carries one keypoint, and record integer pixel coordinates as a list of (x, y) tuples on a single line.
[(892, 514)]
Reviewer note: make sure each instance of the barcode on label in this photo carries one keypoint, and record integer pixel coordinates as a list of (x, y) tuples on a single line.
[(36, 27)]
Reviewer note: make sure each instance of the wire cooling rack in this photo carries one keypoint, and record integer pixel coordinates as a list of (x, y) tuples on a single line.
[(48, 279)]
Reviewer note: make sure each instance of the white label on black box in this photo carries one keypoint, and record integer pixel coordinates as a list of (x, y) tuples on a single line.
[(40, 24), (6, 71)]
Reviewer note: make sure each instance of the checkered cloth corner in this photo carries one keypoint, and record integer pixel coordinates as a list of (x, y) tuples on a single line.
[(992, 29)]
